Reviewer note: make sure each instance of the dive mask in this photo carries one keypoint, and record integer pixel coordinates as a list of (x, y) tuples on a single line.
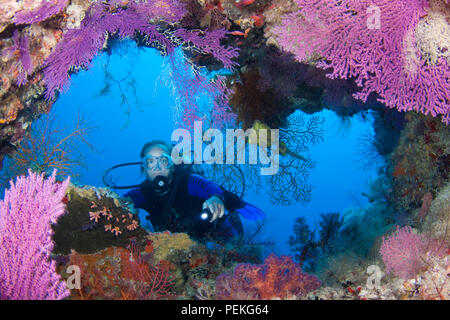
[(152, 163)]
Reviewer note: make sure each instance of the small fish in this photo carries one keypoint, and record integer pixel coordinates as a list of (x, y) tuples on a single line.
[(237, 33), (243, 3), (259, 20), (240, 33)]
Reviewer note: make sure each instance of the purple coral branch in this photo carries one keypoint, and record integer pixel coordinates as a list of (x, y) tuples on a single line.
[(221, 114), (24, 63), (80, 46), (167, 10), (210, 43), (47, 9), (190, 84), (30, 206), (382, 60)]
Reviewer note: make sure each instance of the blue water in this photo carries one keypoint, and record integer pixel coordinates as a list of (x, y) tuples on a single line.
[(122, 130)]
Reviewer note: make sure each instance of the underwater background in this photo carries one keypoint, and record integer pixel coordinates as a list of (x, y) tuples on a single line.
[(359, 90), (338, 179)]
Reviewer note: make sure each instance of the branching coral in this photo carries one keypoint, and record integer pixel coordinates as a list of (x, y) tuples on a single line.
[(290, 184), (191, 85), (119, 274), (309, 248), (140, 20), (367, 146), (209, 43), (49, 147)]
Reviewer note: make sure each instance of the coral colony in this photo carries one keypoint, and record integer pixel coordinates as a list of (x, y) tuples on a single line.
[(29, 208), (376, 47), (262, 66)]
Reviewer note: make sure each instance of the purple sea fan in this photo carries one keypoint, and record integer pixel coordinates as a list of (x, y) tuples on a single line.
[(373, 42), (47, 9), (30, 206), (167, 10), (22, 50), (80, 46), (221, 113), (405, 253), (210, 43)]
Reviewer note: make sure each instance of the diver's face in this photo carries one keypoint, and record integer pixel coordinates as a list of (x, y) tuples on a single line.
[(156, 163)]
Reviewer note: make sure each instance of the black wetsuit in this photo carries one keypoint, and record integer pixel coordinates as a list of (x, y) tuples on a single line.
[(180, 212)]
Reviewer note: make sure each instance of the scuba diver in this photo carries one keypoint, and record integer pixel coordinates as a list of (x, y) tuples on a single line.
[(180, 201)]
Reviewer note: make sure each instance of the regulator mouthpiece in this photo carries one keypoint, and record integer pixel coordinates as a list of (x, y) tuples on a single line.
[(161, 184)]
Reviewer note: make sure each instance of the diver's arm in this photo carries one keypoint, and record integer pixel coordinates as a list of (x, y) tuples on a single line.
[(216, 206), (144, 219), (203, 188), (136, 197)]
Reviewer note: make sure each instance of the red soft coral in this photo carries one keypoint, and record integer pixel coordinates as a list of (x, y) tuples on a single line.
[(277, 277)]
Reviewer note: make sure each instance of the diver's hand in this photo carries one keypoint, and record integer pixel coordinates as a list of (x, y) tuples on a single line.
[(216, 206)]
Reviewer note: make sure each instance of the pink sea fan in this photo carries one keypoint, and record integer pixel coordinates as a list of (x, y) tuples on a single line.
[(379, 54), (192, 88), (30, 206), (405, 253)]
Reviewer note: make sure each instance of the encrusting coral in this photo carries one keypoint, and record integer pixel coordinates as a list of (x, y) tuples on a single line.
[(95, 219)]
